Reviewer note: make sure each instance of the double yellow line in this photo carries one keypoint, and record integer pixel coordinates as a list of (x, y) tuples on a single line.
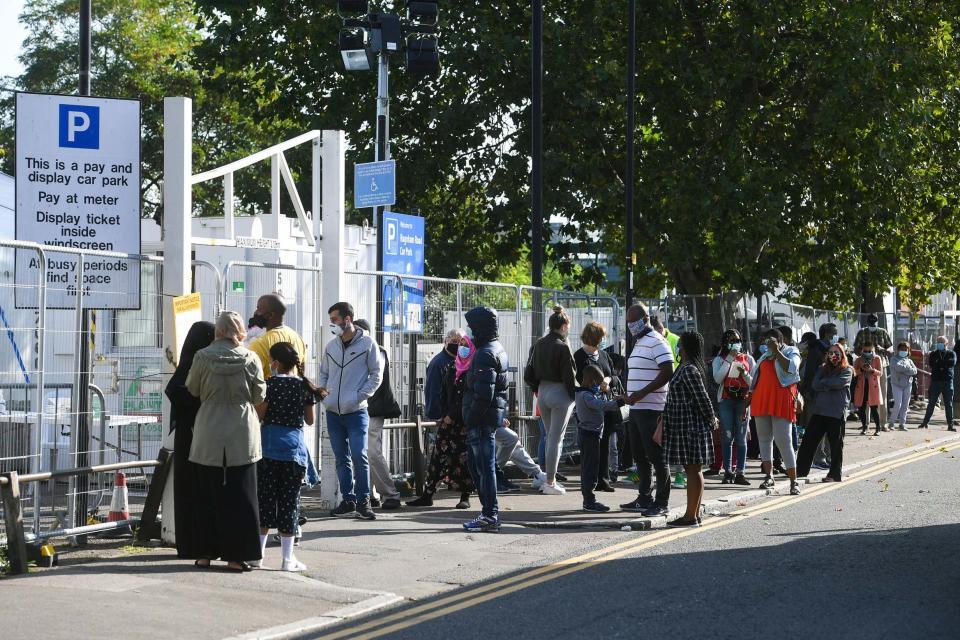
[(499, 588)]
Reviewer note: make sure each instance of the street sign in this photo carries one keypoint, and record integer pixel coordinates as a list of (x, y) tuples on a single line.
[(374, 184), (78, 186), (402, 243)]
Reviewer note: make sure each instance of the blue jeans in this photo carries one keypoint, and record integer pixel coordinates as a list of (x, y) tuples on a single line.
[(734, 432), (348, 438), (940, 388), (481, 458)]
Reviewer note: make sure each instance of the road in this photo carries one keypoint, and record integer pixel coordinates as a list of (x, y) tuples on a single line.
[(873, 557)]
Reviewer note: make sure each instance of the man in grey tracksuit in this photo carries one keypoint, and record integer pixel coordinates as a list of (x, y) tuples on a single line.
[(350, 373)]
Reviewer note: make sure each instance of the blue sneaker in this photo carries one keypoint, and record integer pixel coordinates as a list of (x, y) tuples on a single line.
[(482, 524), (505, 486)]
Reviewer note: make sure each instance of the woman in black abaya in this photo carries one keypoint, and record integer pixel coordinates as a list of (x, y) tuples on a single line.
[(183, 412)]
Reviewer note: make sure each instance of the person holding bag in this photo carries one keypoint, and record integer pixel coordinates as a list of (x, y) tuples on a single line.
[(773, 403), (733, 373)]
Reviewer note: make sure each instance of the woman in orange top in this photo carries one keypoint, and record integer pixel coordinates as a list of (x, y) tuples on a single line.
[(772, 404)]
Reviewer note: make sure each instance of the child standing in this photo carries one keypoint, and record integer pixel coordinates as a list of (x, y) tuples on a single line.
[(867, 395), (902, 373), (289, 403), (592, 404)]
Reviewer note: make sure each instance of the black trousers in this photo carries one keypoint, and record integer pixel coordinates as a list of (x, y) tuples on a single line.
[(228, 523), (649, 456), (874, 415), (819, 427), (603, 473), (589, 463)]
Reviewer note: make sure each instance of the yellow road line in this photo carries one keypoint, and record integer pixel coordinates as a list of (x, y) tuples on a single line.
[(485, 593)]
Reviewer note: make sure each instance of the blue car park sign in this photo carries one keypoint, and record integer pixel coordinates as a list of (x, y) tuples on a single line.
[(374, 184), (402, 240)]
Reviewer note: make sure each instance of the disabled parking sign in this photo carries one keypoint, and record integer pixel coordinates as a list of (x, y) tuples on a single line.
[(402, 242), (374, 184)]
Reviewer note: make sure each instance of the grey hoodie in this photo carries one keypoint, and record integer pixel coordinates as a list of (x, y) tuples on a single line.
[(350, 373), (902, 371)]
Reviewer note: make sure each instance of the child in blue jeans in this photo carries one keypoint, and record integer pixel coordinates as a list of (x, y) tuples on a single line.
[(592, 403)]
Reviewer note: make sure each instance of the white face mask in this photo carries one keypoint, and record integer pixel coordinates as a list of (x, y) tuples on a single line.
[(336, 329)]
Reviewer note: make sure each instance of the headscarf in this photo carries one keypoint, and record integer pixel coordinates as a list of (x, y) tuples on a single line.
[(200, 336), (463, 364)]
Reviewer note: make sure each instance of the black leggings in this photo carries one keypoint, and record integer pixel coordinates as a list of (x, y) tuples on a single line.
[(819, 427), (278, 494), (874, 415)]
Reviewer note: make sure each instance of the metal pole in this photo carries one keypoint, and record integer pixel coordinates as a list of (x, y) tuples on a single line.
[(536, 221), (382, 152), (85, 20), (631, 99), (39, 409)]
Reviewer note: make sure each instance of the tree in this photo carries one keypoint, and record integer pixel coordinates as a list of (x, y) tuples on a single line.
[(139, 49)]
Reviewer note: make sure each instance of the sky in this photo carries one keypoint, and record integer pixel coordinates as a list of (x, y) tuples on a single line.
[(11, 37)]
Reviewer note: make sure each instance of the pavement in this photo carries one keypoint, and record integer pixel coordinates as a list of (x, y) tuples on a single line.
[(356, 567)]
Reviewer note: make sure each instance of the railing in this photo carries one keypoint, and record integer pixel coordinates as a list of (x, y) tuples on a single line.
[(10, 492)]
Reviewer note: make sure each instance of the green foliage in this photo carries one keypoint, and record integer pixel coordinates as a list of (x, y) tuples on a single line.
[(794, 142)]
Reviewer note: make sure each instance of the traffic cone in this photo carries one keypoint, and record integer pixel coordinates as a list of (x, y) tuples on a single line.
[(120, 504)]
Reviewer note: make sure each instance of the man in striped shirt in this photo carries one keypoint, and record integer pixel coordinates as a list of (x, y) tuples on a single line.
[(649, 368)]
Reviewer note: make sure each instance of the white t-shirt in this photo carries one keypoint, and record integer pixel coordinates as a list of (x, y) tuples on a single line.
[(643, 366)]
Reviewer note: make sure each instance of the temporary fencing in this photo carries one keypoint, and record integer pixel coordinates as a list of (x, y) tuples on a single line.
[(48, 338), (42, 342)]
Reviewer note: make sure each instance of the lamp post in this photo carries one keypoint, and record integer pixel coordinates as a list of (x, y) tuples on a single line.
[(631, 99), (368, 40)]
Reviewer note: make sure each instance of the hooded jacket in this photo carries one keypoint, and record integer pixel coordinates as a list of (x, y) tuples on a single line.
[(350, 372), (485, 390), (229, 381)]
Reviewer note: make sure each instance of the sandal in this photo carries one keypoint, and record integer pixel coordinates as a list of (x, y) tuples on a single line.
[(243, 568)]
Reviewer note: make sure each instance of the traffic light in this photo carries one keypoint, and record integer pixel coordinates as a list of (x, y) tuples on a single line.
[(351, 6), (423, 12), (422, 56)]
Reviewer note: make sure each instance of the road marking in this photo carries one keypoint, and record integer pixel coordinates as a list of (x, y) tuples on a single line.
[(499, 588)]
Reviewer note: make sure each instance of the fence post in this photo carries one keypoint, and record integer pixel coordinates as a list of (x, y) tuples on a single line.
[(16, 541), (418, 460)]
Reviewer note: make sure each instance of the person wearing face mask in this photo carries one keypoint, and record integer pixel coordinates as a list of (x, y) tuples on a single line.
[(941, 362), (381, 406), (772, 401), (831, 385), (882, 349), (902, 372), (269, 317), (649, 369), (433, 382), (551, 372), (817, 348), (592, 353), (867, 394), (448, 462), (350, 372), (592, 405), (733, 373)]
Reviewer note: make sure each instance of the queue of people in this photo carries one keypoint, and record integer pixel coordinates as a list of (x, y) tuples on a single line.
[(239, 406)]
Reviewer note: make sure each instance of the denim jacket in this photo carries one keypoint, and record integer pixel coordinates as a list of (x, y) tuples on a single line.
[(788, 376)]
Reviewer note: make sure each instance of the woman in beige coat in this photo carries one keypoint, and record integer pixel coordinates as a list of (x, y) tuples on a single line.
[(228, 379)]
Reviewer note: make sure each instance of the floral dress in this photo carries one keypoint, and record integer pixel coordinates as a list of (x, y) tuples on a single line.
[(448, 463)]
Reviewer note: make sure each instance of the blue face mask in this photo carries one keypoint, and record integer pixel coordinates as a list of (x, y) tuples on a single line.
[(735, 346), (463, 352), (763, 348), (941, 346), (868, 355), (603, 343), (834, 339), (902, 354), (636, 327)]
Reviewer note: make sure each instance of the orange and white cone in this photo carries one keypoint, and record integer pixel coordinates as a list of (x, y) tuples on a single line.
[(120, 502)]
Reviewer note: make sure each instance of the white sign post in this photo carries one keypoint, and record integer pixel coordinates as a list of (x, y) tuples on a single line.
[(78, 186)]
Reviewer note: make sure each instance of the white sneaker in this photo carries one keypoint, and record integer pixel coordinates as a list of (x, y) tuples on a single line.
[(293, 565), (555, 489), (257, 564), (540, 480)]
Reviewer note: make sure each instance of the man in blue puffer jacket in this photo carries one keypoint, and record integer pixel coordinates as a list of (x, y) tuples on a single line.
[(484, 406)]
